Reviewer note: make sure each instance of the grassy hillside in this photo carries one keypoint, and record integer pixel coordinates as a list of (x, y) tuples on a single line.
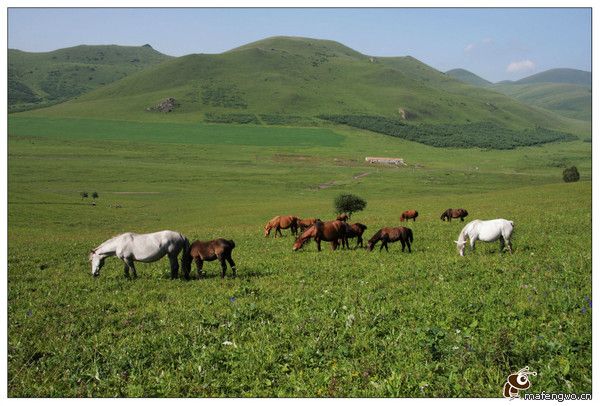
[(571, 76), (39, 79), (468, 77), (567, 92), (304, 324), (569, 100), (287, 78)]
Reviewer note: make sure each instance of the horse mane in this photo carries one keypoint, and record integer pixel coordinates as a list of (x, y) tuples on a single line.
[(468, 227), (376, 237)]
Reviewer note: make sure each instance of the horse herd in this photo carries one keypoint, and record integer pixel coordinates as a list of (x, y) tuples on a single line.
[(130, 247)]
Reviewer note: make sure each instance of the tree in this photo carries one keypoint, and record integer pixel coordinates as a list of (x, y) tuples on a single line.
[(348, 203), (571, 174), (83, 195)]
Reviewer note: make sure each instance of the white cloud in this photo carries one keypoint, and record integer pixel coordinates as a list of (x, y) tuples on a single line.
[(485, 42), (520, 66)]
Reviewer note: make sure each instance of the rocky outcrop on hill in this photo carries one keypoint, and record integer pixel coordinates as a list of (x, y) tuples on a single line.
[(165, 106)]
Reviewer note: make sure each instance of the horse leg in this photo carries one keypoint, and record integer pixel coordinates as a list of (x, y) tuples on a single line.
[(472, 243), (223, 267), (359, 240), (174, 266), (278, 230), (501, 244), (129, 263), (509, 246), (126, 270), (408, 244), (403, 244), (199, 264), (318, 241), (232, 265)]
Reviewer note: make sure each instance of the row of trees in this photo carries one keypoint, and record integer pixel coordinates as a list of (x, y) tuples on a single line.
[(471, 135)]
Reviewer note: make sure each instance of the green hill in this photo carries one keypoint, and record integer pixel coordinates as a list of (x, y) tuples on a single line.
[(468, 77), (295, 81), (571, 76), (39, 79), (569, 100), (563, 91)]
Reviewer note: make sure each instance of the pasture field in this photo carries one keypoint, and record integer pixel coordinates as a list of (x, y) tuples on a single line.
[(305, 324)]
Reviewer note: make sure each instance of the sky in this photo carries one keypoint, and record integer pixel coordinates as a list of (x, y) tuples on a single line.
[(494, 43)]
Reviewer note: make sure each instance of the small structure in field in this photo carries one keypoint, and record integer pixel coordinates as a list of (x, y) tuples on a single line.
[(385, 161)]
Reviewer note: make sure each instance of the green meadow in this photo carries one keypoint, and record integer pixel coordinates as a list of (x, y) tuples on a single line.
[(345, 323)]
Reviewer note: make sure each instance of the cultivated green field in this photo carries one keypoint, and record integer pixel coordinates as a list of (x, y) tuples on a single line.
[(343, 323)]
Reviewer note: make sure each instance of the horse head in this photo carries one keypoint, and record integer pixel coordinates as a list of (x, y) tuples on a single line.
[(97, 261), (460, 246)]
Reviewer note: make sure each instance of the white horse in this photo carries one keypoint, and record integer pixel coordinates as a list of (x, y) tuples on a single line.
[(131, 247), (488, 231)]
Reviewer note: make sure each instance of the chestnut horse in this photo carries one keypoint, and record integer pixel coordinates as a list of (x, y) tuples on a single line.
[(355, 230), (342, 217), (323, 231), (201, 251), (409, 214), (306, 223), (391, 234), (454, 214), (282, 222)]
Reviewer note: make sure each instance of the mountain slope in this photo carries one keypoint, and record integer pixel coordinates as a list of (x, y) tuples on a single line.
[(304, 77), (571, 76), (569, 100), (468, 77), (38, 79)]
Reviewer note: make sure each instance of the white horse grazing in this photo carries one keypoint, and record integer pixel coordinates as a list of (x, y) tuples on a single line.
[(488, 231), (131, 247)]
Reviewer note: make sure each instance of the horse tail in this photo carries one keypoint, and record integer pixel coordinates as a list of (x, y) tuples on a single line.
[(231, 243), (410, 235)]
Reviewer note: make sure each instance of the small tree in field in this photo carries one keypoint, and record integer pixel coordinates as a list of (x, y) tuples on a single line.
[(83, 195), (348, 204), (571, 174)]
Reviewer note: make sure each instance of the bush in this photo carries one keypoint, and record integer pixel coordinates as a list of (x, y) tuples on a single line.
[(571, 174), (348, 204)]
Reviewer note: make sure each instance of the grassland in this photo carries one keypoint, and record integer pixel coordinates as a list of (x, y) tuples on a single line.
[(343, 323)]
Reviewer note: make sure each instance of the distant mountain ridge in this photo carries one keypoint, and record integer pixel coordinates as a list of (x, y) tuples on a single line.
[(286, 80), (42, 78), (564, 91)]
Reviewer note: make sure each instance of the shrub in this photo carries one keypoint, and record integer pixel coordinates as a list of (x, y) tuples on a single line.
[(347, 203), (571, 174)]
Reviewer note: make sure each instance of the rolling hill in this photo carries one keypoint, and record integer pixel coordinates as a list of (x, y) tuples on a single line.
[(44, 78), (570, 76), (468, 77), (567, 92), (294, 81)]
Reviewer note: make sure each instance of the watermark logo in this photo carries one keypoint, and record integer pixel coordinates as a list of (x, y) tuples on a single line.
[(517, 382)]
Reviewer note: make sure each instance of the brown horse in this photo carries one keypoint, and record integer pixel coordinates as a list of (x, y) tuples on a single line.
[(332, 231), (454, 214), (391, 234), (202, 251), (355, 230), (306, 223), (409, 214), (342, 217), (282, 222)]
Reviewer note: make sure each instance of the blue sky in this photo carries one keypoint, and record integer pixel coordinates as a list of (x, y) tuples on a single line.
[(496, 44)]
